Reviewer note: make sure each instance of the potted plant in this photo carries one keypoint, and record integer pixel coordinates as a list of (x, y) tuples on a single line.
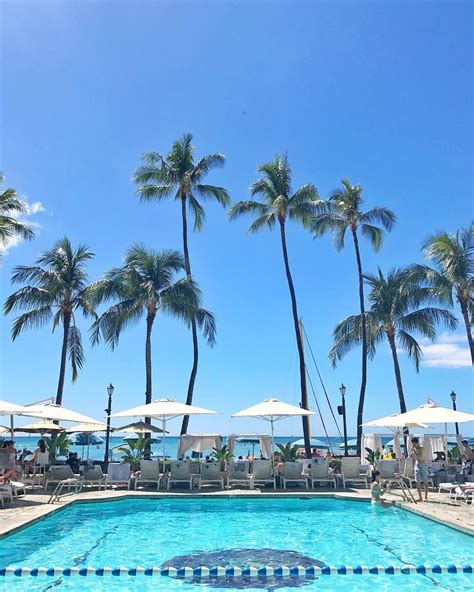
[(57, 445), (223, 455), (289, 452), (134, 451)]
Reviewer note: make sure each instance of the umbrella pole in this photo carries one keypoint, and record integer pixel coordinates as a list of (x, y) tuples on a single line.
[(12, 427), (273, 440), (446, 441), (164, 442)]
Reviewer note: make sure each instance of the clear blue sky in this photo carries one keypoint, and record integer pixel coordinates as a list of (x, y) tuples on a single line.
[(378, 92)]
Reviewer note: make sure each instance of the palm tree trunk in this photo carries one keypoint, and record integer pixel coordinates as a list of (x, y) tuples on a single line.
[(467, 322), (396, 367), (148, 370), (62, 367), (299, 341), (363, 382), (187, 266)]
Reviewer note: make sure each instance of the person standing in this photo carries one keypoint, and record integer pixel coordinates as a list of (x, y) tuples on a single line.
[(422, 465)]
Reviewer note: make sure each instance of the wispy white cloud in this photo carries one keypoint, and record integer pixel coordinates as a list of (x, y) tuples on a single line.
[(31, 209), (449, 351)]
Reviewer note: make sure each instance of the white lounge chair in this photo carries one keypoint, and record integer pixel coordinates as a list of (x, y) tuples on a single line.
[(319, 473), (293, 473), (180, 473), (118, 474), (149, 473), (239, 472), (94, 476), (56, 474), (350, 472), (6, 493), (211, 473), (263, 473)]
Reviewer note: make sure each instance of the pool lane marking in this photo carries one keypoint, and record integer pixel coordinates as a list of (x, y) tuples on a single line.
[(264, 571)]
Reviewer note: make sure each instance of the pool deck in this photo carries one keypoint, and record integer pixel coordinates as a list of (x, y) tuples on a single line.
[(34, 506)]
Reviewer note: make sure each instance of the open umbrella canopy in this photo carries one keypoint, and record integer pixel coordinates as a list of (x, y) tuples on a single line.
[(43, 427), (4, 430), (88, 428), (57, 413), (273, 408), (7, 408), (394, 421), (313, 442), (163, 408), (431, 412), (139, 427)]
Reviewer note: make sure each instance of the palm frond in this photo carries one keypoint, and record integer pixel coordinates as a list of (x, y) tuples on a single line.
[(212, 192), (248, 207), (347, 335), (75, 351), (379, 215), (261, 222), (28, 297), (198, 212), (374, 234), (410, 345), (33, 319)]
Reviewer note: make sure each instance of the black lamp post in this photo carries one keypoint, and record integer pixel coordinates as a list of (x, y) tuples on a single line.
[(110, 392), (342, 411), (453, 399)]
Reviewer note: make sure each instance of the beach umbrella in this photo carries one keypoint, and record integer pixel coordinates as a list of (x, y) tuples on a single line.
[(87, 428), (350, 444), (273, 410), (394, 423), (139, 427), (57, 413), (432, 413), (12, 409), (314, 443), (43, 427), (163, 410), (4, 430)]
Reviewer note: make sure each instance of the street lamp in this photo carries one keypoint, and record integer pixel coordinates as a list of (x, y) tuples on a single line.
[(110, 392), (342, 411), (453, 399)]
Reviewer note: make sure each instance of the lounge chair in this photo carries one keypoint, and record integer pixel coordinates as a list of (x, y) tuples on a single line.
[(6, 493), (149, 473), (239, 472), (180, 473), (390, 477), (211, 473), (56, 474), (293, 473), (262, 473), (409, 475), (118, 474), (319, 473), (350, 472), (94, 476)]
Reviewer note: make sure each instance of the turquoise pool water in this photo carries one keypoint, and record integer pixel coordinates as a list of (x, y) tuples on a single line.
[(150, 532)]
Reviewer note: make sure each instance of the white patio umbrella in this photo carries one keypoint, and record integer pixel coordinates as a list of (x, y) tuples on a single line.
[(57, 413), (43, 426), (87, 428), (273, 410), (140, 428), (431, 412), (163, 410), (11, 409), (394, 424)]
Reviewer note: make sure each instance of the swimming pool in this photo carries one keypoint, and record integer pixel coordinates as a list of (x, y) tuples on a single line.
[(183, 531)]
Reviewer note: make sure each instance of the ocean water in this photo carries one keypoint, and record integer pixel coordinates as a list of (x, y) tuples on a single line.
[(157, 532), (172, 443)]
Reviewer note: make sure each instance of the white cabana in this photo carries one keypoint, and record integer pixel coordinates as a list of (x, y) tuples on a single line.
[(163, 410), (273, 410), (198, 443), (432, 413), (263, 439), (394, 424), (372, 441)]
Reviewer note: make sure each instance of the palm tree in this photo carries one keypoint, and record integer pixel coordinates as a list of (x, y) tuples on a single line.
[(9, 225), (279, 204), (178, 175), (396, 311), (340, 213), (57, 292), (453, 257), (143, 287)]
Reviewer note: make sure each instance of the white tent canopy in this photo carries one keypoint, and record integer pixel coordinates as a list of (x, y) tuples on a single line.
[(264, 442), (164, 410), (273, 410), (198, 443)]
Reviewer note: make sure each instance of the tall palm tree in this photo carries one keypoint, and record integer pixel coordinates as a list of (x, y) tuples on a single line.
[(453, 257), (57, 292), (399, 306), (278, 205), (177, 174), (145, 286), (9, 225), (340, 213)]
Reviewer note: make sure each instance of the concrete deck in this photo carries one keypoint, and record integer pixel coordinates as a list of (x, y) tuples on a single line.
[(34, 506)]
